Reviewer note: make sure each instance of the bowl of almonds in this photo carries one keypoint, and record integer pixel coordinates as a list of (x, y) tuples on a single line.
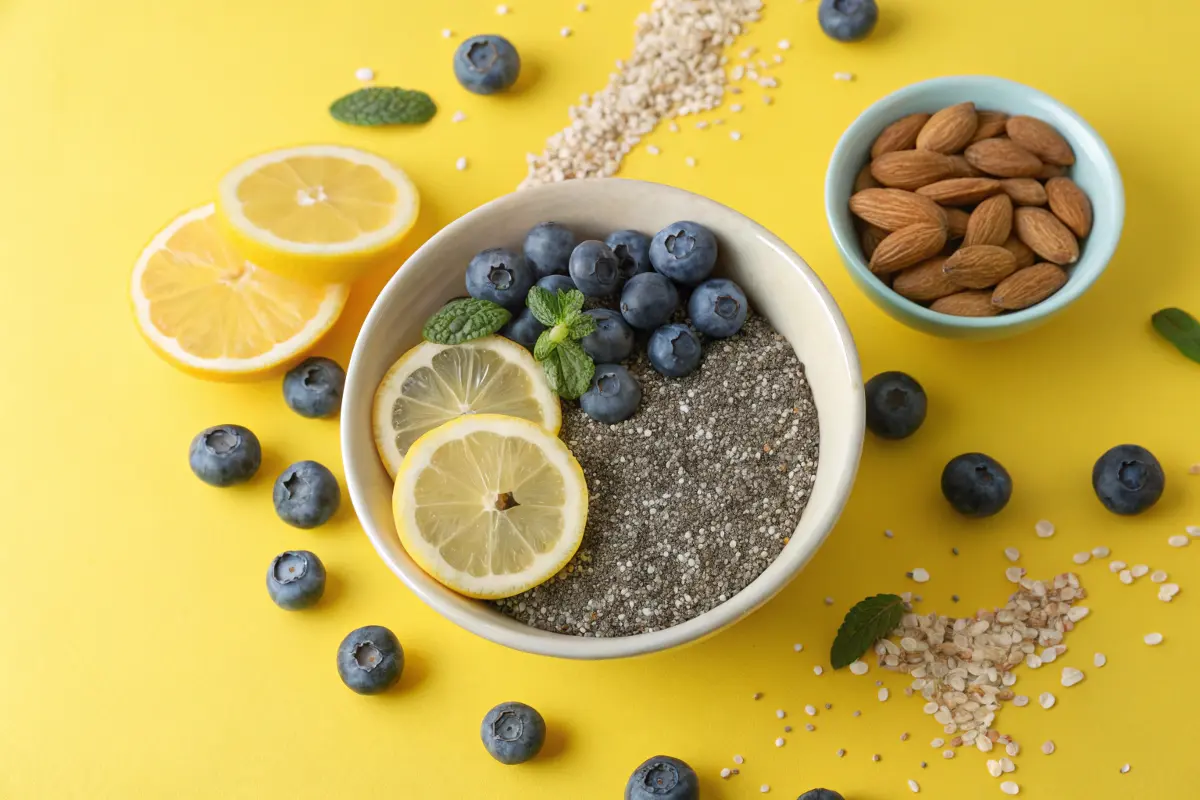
[(973, 206)]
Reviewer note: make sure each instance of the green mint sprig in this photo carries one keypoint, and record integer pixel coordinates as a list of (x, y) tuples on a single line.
[(384, 105), (869, 621), (569, 369), (1180, 329), (465, 319)]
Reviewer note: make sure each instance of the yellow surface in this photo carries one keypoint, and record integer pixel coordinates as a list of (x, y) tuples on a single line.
[(139, 654)]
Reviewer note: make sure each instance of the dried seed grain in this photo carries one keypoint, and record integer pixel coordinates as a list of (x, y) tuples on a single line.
[(1138, 570), (913, 786), (993, 768), (1158, 576), (817, 670), (1178, 540), (1082, 557), (1010, 787), (810, 710), (1012, 554), (1167, 592), (1100, 552), (1007, 765), (364, 74), (1125, 576), (1116, 566), (1047, 700), (1048, 747), (1099, 660), (859, 667), (1044, 528), (1071, 676), (1124, 769)]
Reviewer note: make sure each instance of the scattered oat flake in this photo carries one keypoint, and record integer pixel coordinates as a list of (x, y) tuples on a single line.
[(1082, 557), (1014, 574), (1010, 787), (502, 10), (691, 162), (937, 742), (810, 710), (779, 742), (652, 150), (739, 760), (983, 743), (1101, 551), (1071, 676), (1124, 769), (461, 163), (1138, 570), (817, 670), (931, 708), (1099, 659), (1125, 576), (1048, 747), (882, 694), (764, 788), (859, 667), (564, 32), (582, 7), (1012, 554), (1078, 612), (735, 135), (1012, 748), (810, 727), (1007, 765), (841, 752), (914, 786), (1044, 528), (1192, 530), (1178, 540), (843, 76), (780, 713), (1116, 566), (1153, 638), (1047, 700), (458, 116), (993, 768), (1167, 592), (364, 73), (447, 33), (1158, 576), (725, 772), (947, 754)]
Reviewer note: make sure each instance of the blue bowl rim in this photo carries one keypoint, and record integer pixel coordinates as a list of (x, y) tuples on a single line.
[(1069, 294)]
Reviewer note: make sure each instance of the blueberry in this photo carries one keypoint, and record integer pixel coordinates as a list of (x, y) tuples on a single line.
[(612, 341), (663, 778), (370, 659), (648, 300), (820, 794), (685, 252), (501, 276), (847, 20), (718, 308), (895, 405), (632, 249), (486, 64), (224, 455), (674, 350), (594, 269), (614, 395), (513, 733), (557, 283), (976, 485), (548, 247), (524, 329), (314, 388), (306, 495), (1128, 479), (296, 579)]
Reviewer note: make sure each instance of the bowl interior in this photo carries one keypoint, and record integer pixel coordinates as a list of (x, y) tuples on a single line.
[(1095, 172), (779, 285)]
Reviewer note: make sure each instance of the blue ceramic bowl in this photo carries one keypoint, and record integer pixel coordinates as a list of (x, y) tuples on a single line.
[(1094, 171)]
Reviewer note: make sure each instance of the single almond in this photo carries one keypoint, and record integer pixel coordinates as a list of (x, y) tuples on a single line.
[(1051, 171), (1021, 252), (991, 124), (908, 246), (1041, 139), (892, 209), (979, 266), (949, 130), (963, 168), (911, 169), (925, 281), (865, 180), (990, 222), (1024, 191), (1045, 235), (960, 191), (1029, 286), (966, 304), (900, 135), (869, 238), (1070, 204), (956, 223), (1003, 158)]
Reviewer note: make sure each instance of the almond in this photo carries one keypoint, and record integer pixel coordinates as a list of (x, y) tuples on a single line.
[(892, 209), (1070, 204), (1051, 171), (911, 169), (908, 246), (900, 135), (963, 168), (1024, 191), (1045, 235), (1029, 286), (979, 266), (869, 238), (1040, 139), (991, 123), (966, 304), (949, 130), (990, 222), (1021, 252), (925, 281), (960, 191), (956, 223), (865, 180), (1003, 158)]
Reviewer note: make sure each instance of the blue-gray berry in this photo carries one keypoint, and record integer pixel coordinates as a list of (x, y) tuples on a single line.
[(976, 485), (663, 778), (1128, 479), (224, 455), (896, 405), (685, 252), (847, 20), (648, 300), (557, 283), (612, 341), (548, 247), (306, 495), (524, 329), (593, 267), (513, 733), (820, 794), (313, 388), (674, 350), (614, 395), (486, 64), (632, 249), (501, 276), (296, 579), (370, 659), (718, 308)]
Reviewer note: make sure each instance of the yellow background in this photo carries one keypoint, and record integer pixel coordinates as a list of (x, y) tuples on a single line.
[(139, 653)]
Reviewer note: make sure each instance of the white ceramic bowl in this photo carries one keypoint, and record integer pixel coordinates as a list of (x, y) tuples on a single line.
[(779, 285)]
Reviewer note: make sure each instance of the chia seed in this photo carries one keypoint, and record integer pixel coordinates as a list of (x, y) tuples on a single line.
[(690, 499)]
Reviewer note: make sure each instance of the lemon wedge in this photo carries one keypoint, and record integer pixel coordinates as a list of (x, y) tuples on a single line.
[(210, 312), (320, 213), (432, 384), (490, 505)]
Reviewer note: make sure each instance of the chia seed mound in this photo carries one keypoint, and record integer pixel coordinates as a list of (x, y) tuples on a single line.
[(690, 499)]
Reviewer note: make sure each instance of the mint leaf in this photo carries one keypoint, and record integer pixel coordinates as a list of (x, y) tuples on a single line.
[(869, 621), (545, 345), (554, 374), (383, 105), (568, 367), (1180, 329), (463, 320), (544, 306), (571, 303), (581, 326), (577, 369)]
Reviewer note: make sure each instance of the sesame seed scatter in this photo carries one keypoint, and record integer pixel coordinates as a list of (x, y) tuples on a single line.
[(686, 505)]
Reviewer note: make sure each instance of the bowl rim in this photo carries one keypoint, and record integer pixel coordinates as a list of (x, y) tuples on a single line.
[(594, 648), (848, 248)]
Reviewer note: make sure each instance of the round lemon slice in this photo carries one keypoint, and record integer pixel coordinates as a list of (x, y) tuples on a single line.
[(320, 213), (209, 311), (490, 505), (432, 384)]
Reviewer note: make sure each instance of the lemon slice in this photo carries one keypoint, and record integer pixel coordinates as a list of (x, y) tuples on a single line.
[(490, 505), (321, 213), (432, 384), (211, 312)]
